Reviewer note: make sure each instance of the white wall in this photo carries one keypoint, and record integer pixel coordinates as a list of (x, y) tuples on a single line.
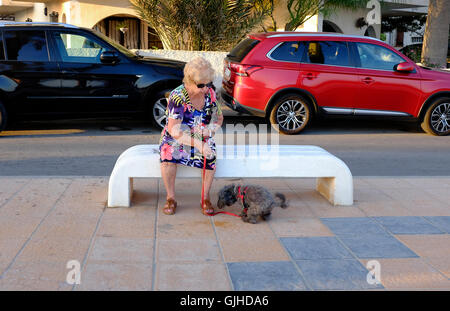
[(215, 58)]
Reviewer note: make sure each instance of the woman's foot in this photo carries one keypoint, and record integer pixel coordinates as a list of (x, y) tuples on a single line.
[(170, 207), (207, 208)]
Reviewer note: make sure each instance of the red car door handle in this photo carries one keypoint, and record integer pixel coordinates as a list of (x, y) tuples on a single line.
[(368, 80), (309, 76)]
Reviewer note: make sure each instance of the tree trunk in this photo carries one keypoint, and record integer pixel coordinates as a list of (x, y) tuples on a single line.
[(435, 41)]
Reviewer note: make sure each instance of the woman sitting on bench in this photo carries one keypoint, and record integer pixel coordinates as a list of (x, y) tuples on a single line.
[(192, 118)]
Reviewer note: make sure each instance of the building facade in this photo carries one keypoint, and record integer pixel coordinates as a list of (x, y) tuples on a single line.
[(119, 21)]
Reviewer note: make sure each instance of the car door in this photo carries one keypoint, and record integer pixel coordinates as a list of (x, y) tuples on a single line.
[(32, 71), (88, 84), (383, 90), (328, 73)]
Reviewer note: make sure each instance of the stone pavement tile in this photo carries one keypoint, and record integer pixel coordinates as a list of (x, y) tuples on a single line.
[(121, 250), (252, 248), (265, 276), (142, 212), (174, 227), (36, 276), (408, 225), (191, 277), (145, 192), (410, 273), (388, 182), (301, 184), (188, 250), (111, 276), (426, 207), (442, 222), (9, 187), (432, 246), (376, 245), (440, 194), (441, 263), (431, 183), (386, 208), (83, 197), (312, 248), (18, 226), (9, 248), (58, 250), (297, 207), (299, 227), (229, 227), (335, 274), (353, 226), (122, 223), (65, 226), (322, 208), (36, 198)]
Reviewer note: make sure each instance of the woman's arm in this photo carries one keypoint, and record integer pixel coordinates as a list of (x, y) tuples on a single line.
[(175, 130)]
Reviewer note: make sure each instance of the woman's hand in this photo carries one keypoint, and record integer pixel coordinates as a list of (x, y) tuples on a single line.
[(207, 151)]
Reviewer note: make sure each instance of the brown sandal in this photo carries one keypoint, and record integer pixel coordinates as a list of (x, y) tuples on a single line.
[(207, 208), (170, 207)]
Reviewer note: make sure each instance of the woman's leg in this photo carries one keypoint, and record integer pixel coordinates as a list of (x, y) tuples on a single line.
[(209, 178), (169, 173)]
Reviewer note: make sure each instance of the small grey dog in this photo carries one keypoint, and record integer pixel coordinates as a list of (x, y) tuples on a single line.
[(256, 200)]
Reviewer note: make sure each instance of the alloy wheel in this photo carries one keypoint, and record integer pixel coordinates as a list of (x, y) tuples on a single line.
[(159, 112), (291, 115), (440, 118)]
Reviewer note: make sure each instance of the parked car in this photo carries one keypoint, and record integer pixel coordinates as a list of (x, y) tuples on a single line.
[(51, 70), (414, 52), (291, 77)]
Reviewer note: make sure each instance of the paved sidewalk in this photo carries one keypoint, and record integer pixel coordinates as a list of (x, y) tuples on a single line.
[(402, 223)]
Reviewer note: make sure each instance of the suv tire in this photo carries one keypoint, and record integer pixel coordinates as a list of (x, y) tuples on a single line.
[(437, 117), (290, 114), (3, 117), (158, 109)]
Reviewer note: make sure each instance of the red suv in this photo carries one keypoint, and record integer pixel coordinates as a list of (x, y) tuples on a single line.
[(289, 77)]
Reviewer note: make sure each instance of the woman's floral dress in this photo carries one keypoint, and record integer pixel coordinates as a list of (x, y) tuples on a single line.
[(179, 107)]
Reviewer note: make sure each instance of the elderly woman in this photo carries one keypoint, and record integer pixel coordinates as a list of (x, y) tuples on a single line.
[(192, 118)]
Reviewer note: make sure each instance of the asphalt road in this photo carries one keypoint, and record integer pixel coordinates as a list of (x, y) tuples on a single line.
[(91, 147)]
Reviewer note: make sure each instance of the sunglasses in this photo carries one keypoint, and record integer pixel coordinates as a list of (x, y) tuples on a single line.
[(202, 85)]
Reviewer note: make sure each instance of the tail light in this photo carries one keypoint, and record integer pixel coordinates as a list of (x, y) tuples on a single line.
[(244, 70)]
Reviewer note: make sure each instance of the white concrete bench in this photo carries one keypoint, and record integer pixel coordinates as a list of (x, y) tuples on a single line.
[(334, 179)]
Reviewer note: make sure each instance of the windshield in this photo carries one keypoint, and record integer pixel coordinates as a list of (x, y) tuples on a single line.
[(120, 47)]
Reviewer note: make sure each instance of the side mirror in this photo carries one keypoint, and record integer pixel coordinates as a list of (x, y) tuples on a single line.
[(109, 57), (404, 67)]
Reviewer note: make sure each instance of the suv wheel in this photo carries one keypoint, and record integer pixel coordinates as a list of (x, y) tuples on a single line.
[(158, 110), (2, 117), (437, 118), (291, 114)]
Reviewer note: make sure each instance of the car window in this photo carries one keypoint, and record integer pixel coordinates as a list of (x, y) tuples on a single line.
[(377, 57), (26, 45), (328, 53), (2, 51), (291, 51), (241, 50), (77, 48)]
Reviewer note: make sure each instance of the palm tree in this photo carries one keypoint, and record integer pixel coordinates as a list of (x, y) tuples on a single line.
[(435, 40), (203, 25), (302, 10)]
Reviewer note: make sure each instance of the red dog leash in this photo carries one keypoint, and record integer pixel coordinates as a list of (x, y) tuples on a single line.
[(240, 195)]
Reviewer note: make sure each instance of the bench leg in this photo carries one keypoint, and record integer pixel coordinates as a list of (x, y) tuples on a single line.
[(120, 191), (336, 191)]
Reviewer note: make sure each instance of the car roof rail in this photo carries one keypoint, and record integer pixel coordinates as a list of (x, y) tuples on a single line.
[(13, 23)]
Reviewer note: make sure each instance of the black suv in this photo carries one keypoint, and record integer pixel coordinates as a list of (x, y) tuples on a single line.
[(52, 70)]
